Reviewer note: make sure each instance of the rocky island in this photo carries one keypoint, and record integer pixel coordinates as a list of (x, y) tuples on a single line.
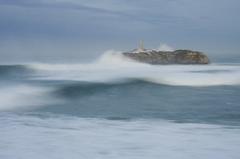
[(156, 57)]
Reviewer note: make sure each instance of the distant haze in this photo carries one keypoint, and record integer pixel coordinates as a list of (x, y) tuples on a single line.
[(80, 30)]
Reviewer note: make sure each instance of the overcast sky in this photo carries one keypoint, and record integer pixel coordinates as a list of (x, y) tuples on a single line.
[(72, 30)]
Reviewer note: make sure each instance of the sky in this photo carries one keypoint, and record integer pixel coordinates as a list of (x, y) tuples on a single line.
[(78, 30)]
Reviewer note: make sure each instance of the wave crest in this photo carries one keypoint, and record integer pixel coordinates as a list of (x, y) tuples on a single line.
[(113, 67)]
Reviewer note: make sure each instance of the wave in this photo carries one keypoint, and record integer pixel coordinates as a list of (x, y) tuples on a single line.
[(13, 71), (116, 88), (21, 96), (112, 67)]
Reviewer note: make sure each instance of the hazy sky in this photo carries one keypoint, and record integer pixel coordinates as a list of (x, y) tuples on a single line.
[(72, 30)]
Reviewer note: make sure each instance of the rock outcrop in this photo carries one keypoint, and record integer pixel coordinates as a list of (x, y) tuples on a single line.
[(167, 57)]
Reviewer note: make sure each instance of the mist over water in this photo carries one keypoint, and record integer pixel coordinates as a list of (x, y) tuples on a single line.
[(113, 107)]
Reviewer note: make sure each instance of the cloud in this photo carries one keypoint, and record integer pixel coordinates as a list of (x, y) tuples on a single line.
[(65, 24), (180, 15), (129, 10), (53, 4)]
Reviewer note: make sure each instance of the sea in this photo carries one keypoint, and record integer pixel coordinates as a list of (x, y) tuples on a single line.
[(114, 108)]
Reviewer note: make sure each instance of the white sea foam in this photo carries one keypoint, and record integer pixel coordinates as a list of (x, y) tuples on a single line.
[(60, 138), (112, 67), (22, 96), (165, 47)]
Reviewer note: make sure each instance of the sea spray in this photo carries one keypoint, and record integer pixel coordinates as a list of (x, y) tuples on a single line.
[(23, 96), (112, 67)]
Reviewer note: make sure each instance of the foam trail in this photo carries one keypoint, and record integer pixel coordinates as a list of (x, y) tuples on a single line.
[(112, 67)]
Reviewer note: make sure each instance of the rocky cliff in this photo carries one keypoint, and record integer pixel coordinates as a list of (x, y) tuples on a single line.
[(168, 57)]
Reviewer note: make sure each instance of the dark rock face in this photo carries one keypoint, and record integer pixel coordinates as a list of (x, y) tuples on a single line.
[(168, 57)]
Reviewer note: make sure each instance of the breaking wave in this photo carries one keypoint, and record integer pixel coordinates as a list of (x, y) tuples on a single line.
[(20, 96), (108, 107), (112, 67), (114, 87)]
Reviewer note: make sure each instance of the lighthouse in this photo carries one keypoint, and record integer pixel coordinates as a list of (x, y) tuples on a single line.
[(141, 47)]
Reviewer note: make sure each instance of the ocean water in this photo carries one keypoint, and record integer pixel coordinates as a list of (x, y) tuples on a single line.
[(116, 108)]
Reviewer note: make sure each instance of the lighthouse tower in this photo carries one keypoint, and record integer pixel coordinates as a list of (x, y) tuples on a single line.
[(141, 47)]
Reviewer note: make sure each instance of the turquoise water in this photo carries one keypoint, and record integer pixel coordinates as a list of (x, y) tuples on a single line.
[(113, 108)]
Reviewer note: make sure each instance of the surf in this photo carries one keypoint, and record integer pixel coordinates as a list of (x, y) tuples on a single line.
[(112, 67)]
